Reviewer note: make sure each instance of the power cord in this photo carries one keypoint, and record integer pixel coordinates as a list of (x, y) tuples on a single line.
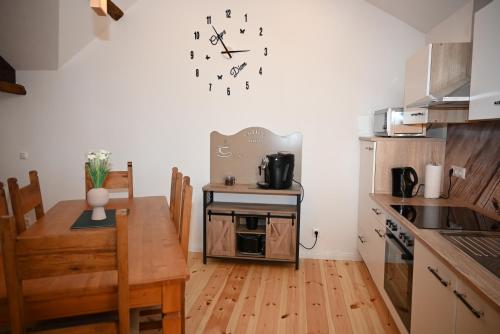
[(315, 240), (450, 174), (418, 188), (303, 191)]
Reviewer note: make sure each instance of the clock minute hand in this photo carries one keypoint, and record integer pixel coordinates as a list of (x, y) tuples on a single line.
[(233, 51), (224, 45)]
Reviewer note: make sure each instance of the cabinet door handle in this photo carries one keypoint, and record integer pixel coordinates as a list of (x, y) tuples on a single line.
[(368, 148), (497, 103), (440, 279), (417, 114), (377, 211), (379, 234), (361, 239), (461, 296)]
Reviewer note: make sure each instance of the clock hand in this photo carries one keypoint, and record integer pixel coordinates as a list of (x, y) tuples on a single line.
[(224, 45), (234, 51)]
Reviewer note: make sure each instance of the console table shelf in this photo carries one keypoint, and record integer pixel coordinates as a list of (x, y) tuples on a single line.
[(224, 223)]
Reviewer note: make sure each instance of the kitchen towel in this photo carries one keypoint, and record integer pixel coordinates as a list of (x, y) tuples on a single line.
[(433, 179)]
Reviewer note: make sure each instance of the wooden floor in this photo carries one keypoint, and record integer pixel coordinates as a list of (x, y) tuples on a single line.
[(323, 296)]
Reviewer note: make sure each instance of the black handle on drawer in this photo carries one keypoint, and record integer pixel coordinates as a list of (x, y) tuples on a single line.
[(377, 211), (361, 239), (461, 296), (435, 273), (497, 103), (379, 234)]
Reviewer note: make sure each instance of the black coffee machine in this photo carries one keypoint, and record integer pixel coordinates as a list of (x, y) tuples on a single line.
[(404, 179), (278, 171)]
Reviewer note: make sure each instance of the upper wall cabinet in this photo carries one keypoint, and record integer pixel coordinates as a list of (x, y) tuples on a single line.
[(438, 74), (485, 81)]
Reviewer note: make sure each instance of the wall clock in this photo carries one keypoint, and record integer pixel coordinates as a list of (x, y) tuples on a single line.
[(228, 52)]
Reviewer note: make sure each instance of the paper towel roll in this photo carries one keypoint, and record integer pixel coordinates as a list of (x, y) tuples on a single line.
[(433, 179)]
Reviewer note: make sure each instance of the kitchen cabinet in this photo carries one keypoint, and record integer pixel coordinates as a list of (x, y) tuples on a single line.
[(280, 238), (220, 235), (432, 286), (485, 85), (371, 218), (366, 184), (455, 306)]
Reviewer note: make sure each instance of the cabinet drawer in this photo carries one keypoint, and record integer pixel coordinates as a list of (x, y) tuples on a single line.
[(474, 314), (376, 213), (433, 285)]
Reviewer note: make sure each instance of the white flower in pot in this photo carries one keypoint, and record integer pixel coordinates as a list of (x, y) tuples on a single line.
[(98, 168)]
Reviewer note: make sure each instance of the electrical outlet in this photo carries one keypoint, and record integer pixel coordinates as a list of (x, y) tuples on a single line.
[(315, 230), (459, 171)]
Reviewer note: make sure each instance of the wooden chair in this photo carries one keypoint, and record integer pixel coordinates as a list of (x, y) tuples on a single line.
[(173, 182), (25, 199), (185, 221), (184, 228), (176, 197), (4, 210), (50, 256), (114, 180)]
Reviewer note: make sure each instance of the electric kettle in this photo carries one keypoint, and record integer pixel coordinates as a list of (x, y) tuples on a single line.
[(404, 179)]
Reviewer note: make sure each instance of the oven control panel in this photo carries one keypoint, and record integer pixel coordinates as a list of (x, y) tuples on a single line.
[(401, 233)]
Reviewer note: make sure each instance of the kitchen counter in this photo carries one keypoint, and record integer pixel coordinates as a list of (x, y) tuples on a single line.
[(466, 268)]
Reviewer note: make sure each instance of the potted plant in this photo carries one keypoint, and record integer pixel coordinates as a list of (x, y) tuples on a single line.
[(98, 168)]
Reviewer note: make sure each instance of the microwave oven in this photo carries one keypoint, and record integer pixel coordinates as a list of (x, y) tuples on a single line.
[(389, 122)]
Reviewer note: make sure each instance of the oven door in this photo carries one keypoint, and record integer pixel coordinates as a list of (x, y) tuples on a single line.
[(398, 276)]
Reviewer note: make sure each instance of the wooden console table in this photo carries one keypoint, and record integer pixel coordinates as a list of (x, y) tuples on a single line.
[(225, 222)]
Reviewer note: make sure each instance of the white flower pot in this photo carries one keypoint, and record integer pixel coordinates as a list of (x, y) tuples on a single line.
[(97, 198)]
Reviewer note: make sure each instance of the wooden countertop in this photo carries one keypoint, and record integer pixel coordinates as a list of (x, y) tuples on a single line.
[(251, 189), (466, 268), (374, 138)]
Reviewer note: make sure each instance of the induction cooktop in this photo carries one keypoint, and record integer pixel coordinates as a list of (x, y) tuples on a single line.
[(447, 218)]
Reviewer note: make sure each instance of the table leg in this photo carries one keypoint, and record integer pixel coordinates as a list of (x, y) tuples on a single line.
[(173, 308)]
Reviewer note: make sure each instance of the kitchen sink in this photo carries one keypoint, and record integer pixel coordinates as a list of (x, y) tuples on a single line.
[(481, 246)]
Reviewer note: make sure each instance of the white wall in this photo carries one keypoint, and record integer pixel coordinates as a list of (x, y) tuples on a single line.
[(29, 28), (456, 28), (330, 62)]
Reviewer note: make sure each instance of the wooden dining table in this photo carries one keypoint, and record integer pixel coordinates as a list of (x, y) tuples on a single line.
[(157, 268)]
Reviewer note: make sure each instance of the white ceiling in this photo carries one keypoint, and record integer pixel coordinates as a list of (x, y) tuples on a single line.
[(422, 15)]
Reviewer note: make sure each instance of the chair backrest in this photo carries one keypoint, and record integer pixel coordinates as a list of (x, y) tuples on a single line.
[(114, 180), (25, 199), (48, 256), (187, 202), (176, 207), (4, 210), (173, 182)]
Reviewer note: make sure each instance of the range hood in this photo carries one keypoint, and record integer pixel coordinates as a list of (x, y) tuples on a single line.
[(439, 75)]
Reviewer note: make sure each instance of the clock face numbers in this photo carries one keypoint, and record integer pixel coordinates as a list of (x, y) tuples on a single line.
[(228, 52)]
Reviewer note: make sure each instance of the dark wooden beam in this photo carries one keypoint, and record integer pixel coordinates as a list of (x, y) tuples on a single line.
[(12, 88), (114, 11), (8, 79), (7, 72)]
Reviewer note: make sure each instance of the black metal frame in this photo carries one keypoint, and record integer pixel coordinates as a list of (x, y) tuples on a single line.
[(208, 198)]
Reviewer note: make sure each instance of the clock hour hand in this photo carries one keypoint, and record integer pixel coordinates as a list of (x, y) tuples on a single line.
[(224, 45), (233, 51)]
